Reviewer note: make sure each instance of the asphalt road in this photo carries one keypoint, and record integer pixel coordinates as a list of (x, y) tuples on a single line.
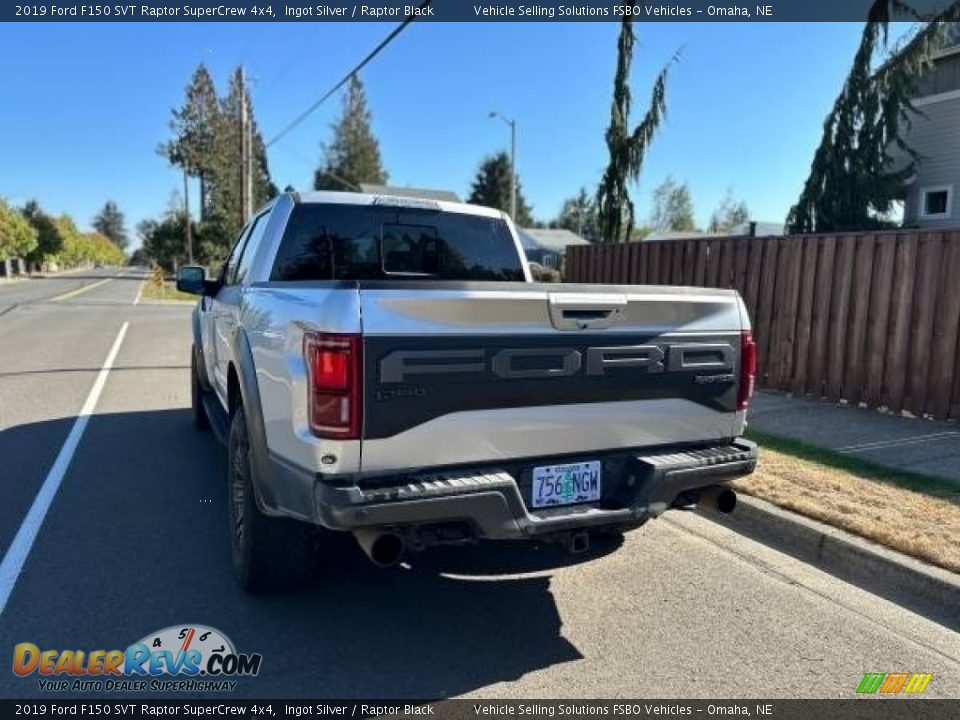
[(135, 540)]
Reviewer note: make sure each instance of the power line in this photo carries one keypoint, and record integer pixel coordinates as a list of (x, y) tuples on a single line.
[(370, 56)]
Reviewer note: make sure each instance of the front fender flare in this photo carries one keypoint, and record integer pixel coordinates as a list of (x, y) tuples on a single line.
[(198, 350)]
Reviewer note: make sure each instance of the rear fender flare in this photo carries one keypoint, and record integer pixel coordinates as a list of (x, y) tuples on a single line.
[(264, 482)]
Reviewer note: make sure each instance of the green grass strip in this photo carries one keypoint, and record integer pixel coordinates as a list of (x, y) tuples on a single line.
[(868, 469)]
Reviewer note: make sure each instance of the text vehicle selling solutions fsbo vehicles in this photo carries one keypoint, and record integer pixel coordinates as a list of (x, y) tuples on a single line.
[(385, 366)]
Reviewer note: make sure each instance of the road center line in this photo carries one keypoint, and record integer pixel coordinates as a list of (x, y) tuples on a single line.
[(19, 549), (74, 293)]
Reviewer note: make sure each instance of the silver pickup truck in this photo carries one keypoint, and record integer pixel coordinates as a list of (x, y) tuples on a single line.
[(385, 366)]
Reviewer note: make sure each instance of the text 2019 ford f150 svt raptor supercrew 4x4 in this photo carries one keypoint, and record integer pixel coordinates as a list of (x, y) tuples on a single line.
[(385, 366)]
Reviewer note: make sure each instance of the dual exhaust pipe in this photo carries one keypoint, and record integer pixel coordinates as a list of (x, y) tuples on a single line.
[(386, 548)]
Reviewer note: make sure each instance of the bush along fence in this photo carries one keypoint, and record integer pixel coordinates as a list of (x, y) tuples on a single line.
[(869, 318)]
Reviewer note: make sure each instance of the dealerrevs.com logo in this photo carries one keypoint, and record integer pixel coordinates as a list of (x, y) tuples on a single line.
[(178, 658)]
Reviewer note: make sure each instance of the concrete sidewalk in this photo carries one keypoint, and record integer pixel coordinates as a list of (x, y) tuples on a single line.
[(923, 446)]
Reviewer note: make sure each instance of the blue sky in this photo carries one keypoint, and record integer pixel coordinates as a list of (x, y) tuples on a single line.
[(87, 104)]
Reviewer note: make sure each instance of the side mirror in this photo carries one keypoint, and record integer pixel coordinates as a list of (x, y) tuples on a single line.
[(192, 279)]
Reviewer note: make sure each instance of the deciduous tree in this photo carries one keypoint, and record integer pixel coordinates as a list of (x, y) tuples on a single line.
[(162, 240), (49, 239), (728, 214), (579, 215), (672, 207), (17, 236)]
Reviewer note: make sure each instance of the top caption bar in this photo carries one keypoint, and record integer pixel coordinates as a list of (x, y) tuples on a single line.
[(462, 11)]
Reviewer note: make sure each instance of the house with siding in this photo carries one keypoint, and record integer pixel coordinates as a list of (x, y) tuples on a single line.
[(931, 200), (548, 247)]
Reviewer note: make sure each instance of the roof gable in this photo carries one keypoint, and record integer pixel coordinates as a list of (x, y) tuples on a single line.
[(548, 239)]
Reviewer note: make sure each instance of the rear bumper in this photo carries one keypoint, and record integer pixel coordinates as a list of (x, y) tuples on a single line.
[(490, 501)]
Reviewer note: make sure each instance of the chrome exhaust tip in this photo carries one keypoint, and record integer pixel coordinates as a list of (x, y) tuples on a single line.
[(717, 498), (384, 548)]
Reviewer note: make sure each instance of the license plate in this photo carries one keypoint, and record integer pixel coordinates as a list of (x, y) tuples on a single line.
[(566, 484)]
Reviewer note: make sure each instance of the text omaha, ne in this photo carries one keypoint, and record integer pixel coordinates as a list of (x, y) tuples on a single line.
[(649, 10)]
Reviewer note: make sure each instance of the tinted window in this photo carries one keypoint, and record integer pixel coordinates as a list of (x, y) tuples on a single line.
[(250, 248), (365, 242), (229, 268)]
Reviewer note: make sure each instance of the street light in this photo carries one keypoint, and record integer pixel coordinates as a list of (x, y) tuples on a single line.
[(513, 162)]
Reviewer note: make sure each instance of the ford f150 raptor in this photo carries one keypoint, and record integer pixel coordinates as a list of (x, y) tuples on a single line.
[(385, 366)]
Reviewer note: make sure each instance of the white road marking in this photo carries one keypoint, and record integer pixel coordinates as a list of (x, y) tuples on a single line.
[(898, 442), (74, 293), (136, 300), (23, 541)]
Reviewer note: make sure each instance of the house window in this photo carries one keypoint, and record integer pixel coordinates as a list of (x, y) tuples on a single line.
[(936, 202)]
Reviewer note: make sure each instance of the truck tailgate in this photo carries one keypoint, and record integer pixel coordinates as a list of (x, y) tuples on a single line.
[(456, 373)]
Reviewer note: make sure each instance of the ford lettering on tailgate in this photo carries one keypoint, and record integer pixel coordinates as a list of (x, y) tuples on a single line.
[(516, 363)]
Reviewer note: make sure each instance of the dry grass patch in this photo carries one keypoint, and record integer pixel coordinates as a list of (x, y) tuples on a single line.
[(924, 525), (152, 291)]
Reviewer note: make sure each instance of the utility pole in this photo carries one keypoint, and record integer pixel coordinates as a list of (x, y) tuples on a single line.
[(513, 162), (246, 187), (513, 170), (188, 233)]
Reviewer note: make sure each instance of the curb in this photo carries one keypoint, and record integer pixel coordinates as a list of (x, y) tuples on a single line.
[(919, 586)]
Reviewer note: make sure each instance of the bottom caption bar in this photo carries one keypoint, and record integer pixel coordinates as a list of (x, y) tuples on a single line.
[(872, 708)]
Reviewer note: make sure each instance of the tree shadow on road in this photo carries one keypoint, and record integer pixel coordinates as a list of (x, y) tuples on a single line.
[(136, 540)]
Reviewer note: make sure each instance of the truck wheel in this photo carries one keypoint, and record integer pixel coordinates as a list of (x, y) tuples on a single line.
[(200, 418), (268, 553)]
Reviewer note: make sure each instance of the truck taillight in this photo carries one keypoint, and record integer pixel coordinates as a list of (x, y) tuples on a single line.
[(334, 384), (748, 369)]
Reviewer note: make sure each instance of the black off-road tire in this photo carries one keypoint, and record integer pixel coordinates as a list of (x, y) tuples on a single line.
[(200, 417), (268, 553)]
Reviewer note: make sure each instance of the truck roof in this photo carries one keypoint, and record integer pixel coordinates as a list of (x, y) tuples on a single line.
[(359, 198)]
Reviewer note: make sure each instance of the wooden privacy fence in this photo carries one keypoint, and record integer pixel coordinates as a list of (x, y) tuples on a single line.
[(868, 318)]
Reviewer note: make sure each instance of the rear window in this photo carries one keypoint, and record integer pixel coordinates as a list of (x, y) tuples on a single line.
[(370, 242)]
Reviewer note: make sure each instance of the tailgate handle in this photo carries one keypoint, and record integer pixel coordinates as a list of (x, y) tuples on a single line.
[(586, 314), (570, 311)]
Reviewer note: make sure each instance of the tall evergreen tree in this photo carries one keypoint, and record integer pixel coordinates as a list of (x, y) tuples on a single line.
[(491, 187), (627, 148), (110, 222), (226, 172), (194, 125), (353, 157), (855, 177)]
